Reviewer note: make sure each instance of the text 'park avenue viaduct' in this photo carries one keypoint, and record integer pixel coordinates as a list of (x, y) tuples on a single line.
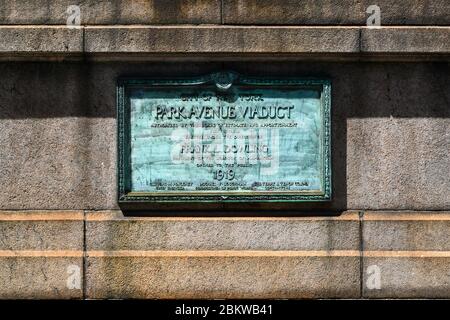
[(215, 149)]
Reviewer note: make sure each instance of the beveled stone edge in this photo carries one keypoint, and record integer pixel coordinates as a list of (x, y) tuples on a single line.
[(60, 48), (411, 225), (405, 254), (221, 253), (424, 39), (204, 34), (359, 52), (251, 253), (41, 215), (114, 215), (42, 253), (361, 47), (406, 216)]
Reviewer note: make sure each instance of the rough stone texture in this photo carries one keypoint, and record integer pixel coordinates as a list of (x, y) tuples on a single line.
[(410, 276), (272, 12), (49, 163), (127, 42), (149, 257), (48, 230), (58, 134), (125, 258), (38, 251), (411, 231), (406, 40), (214, 39), (57, 147), (38, 277), (411, 250), (41, 39), (335, 12), (391, 131), (111, 12), (112, 231), (222, 276), (390, 140), (397, 163)]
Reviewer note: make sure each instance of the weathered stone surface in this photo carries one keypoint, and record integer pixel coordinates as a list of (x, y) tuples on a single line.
[(397, 163), (390, 131), (220, 39), (406, 40), (271, 12), (36, 41), (41, 254), (410, 231), (62, 172), (57, 133), (40, 39), (410, 253), (51, 137), (335, 12), (217, 274), (41, 230), (40, 275), (407, 274), (112, 231), (111, 12)]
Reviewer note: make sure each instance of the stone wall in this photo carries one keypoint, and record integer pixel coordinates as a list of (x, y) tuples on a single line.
[(390, 213)]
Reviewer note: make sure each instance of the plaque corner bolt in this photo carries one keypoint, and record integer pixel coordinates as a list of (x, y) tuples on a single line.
[(224, 80)]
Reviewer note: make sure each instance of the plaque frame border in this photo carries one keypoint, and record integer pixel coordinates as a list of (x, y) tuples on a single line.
[(123, 145)]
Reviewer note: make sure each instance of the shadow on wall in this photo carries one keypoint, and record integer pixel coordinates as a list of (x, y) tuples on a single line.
[(75, 105)]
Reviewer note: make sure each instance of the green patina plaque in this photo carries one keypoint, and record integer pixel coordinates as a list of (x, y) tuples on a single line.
[(224, 138)]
